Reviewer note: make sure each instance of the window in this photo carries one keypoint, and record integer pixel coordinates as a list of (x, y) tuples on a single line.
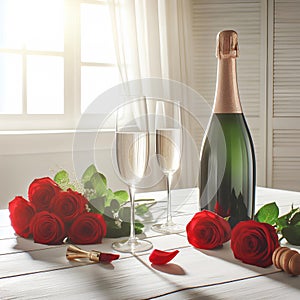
[(56, 56), (98, 69)]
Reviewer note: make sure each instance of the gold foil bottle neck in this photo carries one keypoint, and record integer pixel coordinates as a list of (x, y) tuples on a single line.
[(227, 44), (227, 99)]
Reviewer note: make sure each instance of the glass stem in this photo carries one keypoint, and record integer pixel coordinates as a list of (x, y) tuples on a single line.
[(132, 238), (169, 212)]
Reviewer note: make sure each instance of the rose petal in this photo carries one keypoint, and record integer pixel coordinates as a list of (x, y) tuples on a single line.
[(108, 257), (159, 257)]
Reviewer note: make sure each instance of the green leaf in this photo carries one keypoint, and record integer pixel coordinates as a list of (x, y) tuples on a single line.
[(284, 220), (88, 174), (114, 205), (141, 209), (124, 214), (97, 205), (268, 213), (109, 197), (98, 184), (138, 227), (108, 212), (114, 229), (117, 229), (292, 234), (295, 219), (103, 178), (88, 185), (62, 178), (121, 196)]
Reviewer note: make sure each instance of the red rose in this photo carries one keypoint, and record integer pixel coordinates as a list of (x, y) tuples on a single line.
[(41, 191), (21, 213), (88, 228), (221, 210), (207, 230), (47, 228), (254, 242), (68, 205)]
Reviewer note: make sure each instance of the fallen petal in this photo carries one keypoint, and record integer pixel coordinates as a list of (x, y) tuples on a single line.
[(159, 257), (108, 257)]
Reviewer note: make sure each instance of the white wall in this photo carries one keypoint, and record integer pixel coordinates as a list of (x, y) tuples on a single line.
[(26, 156)]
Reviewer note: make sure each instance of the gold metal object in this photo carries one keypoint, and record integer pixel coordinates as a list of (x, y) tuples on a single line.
[(74, 253), (227, 99), (227, 44)]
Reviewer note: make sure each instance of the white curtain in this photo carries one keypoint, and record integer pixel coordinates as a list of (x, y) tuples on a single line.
[(152, 39)]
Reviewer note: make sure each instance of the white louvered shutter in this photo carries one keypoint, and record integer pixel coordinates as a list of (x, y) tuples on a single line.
[(285, 138)]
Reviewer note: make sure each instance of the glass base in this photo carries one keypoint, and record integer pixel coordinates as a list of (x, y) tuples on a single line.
[(168, 228), (132, 246)]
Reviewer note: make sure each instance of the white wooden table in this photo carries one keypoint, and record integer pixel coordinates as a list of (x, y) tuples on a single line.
[(35, 271)]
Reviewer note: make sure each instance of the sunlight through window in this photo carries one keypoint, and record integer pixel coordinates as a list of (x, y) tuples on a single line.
[(45, 90), (96, 35), (10, 84), (56, 57)]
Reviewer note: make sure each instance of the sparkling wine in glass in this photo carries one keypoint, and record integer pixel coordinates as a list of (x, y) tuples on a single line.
[(132, 154), (168, 148)]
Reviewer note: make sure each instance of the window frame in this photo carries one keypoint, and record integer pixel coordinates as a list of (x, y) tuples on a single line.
[(72, 77)]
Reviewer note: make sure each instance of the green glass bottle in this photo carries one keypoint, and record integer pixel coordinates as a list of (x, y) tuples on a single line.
[(227, 160)]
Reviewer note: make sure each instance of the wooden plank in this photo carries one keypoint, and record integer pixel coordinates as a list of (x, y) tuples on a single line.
[(203, 267), (126, 279), (25, 257), (273, 286)]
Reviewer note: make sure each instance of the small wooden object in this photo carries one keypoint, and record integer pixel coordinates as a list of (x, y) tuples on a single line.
[(287, 260)]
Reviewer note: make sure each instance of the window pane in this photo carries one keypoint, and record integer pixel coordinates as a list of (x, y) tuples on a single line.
[(96, 35), (94, 81), (38, 24), (10, 84), (44, 24), (11, 24), (45, 84)]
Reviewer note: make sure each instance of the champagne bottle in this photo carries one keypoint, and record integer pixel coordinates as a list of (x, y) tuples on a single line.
[(227, 159)]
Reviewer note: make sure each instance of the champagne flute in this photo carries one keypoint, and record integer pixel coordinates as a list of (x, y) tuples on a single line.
[(132, 154), (168, 150)]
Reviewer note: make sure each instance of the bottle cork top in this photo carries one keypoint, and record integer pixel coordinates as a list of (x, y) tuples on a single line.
[(227, 44)]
